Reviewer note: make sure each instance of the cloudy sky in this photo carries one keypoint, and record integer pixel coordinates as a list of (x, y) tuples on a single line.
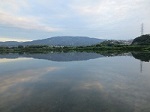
[(23, 20)]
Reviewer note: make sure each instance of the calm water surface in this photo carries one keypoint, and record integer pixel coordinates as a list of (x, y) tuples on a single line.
[(74, 82)]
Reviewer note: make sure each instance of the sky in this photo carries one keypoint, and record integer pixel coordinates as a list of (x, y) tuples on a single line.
[(25, 20)]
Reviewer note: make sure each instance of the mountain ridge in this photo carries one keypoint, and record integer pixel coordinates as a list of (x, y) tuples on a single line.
[(58, 41)]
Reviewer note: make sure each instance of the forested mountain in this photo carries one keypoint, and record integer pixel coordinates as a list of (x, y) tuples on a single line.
[(142, 40), (58, 41)]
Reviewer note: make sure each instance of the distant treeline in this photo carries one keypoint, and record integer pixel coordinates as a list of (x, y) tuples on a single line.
[(93, 48)]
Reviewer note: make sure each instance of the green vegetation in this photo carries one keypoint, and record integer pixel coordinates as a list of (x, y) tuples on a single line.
[(94, 48), (142, 40), (29, 49), (141, 43)]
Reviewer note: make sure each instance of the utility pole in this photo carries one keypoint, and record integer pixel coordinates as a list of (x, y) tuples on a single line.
[(142, 32), (141, 66)]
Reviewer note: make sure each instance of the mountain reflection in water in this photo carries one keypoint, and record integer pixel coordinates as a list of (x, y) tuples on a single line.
[(141, 56), (76, 56), (70, 56)]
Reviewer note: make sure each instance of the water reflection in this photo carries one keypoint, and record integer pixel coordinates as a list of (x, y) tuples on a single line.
[(75, 56), (70, 56), (7, 60), (22, 77), (111, 84), (141, 56)]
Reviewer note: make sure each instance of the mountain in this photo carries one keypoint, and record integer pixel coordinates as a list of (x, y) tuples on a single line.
[(58, 41), (142, 40), (65, 41), (10, 43)]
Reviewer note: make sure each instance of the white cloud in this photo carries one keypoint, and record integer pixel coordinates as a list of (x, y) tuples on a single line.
[(94, 17), (13, 5), (109, 11), (10, 14), (24, 22)]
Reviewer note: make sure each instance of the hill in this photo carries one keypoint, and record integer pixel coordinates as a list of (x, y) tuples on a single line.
[(10, 43), (142, 40), (58, 41), (65, 41)]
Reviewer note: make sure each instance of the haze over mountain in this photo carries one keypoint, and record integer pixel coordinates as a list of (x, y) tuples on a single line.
[(10, 43), (58, 41)]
